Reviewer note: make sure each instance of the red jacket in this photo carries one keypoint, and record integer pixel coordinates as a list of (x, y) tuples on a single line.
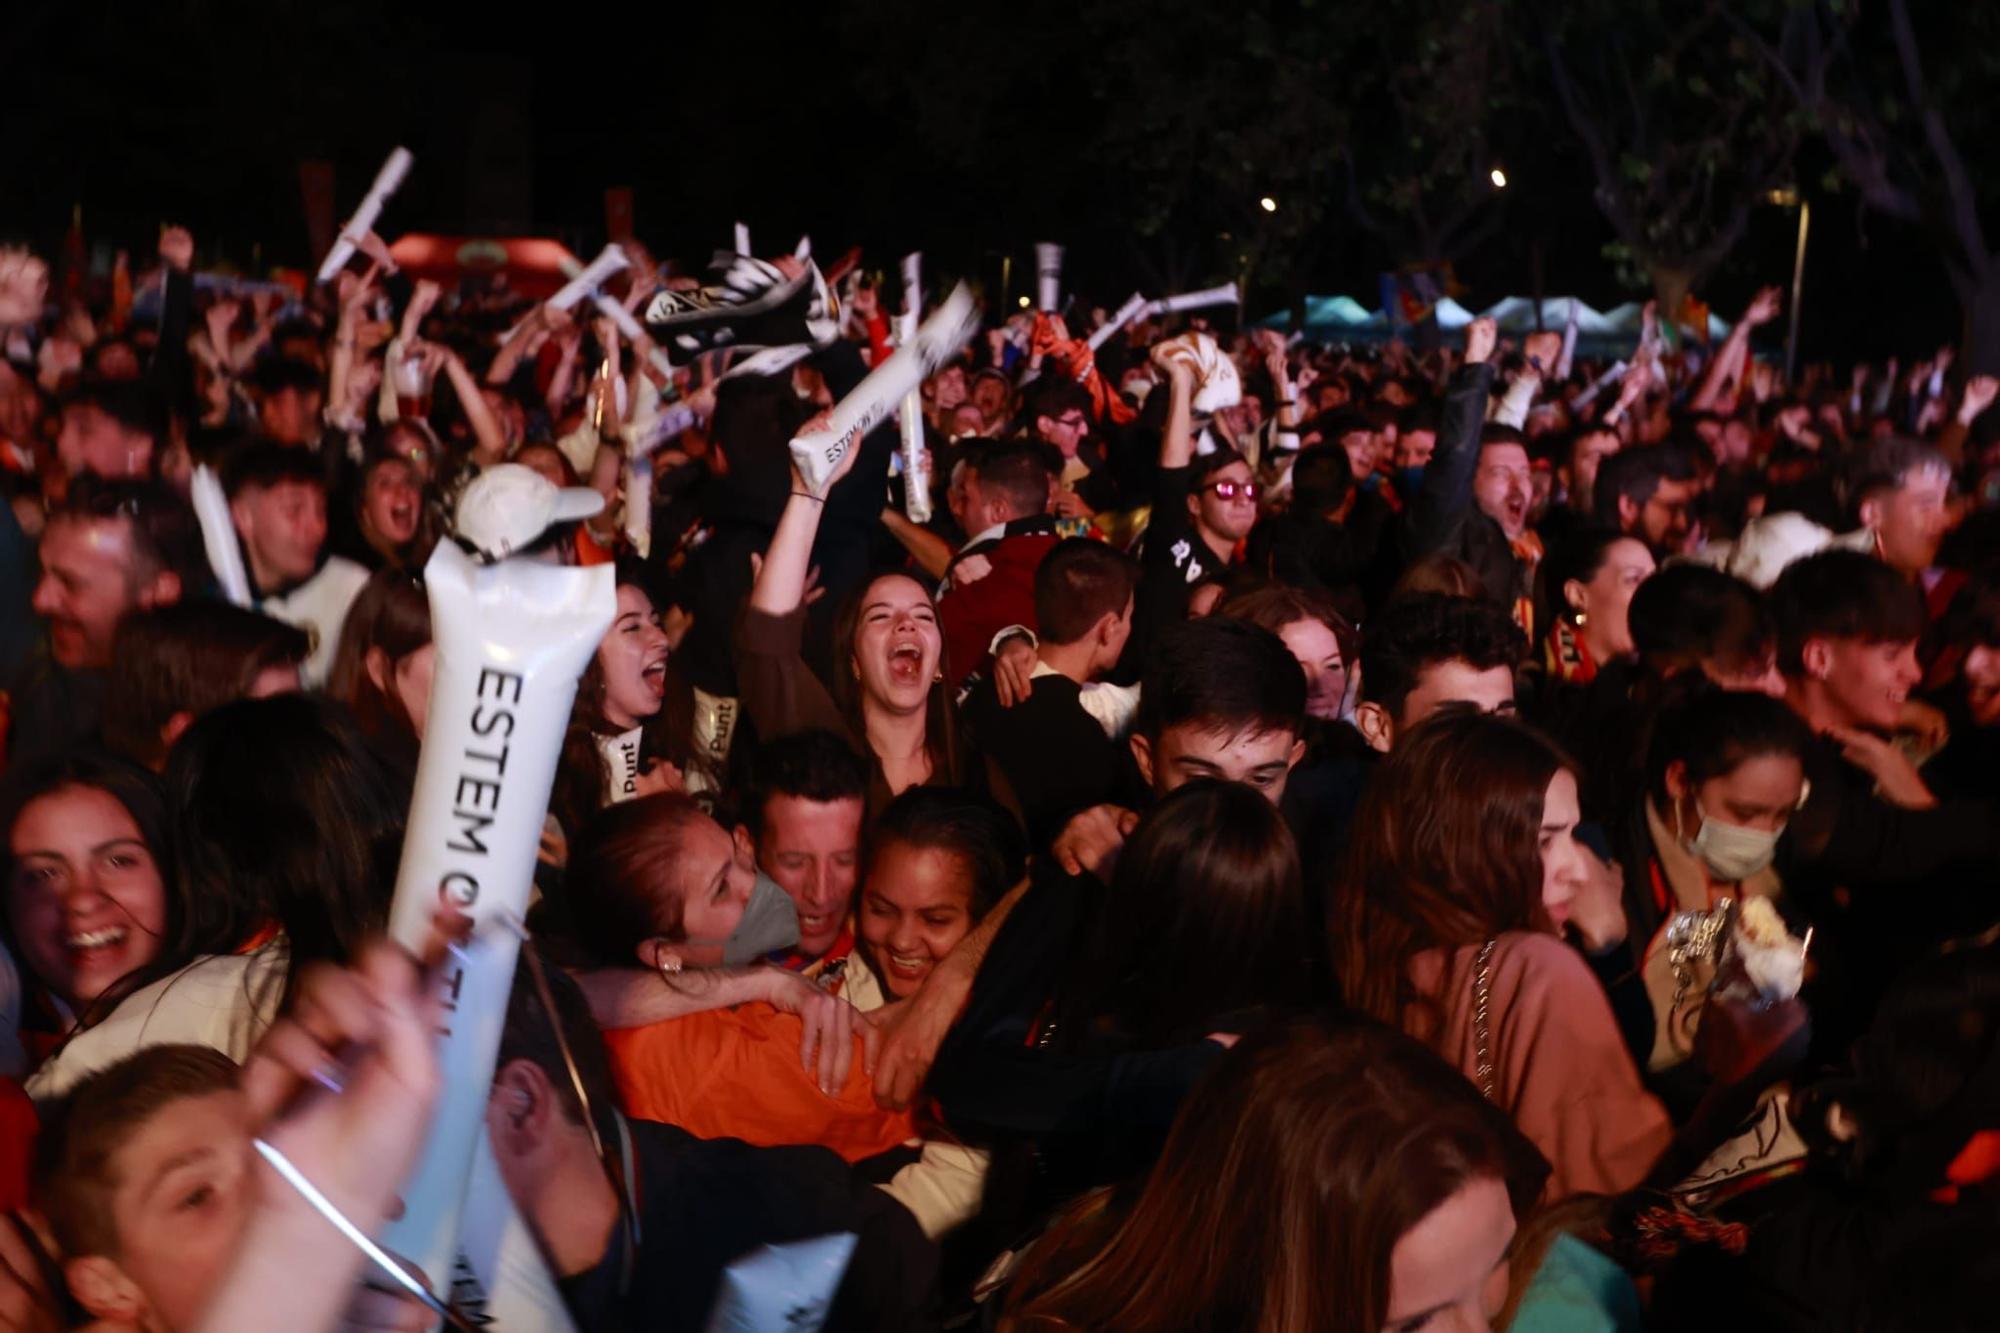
[(971, 613)]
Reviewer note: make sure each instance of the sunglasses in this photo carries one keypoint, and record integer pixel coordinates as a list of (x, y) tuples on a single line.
[(1229, 490)]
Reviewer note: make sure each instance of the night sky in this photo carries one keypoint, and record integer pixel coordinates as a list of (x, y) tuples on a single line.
[(882, 123)]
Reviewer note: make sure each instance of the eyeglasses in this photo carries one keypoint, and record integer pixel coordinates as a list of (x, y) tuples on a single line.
[(1229, 490)]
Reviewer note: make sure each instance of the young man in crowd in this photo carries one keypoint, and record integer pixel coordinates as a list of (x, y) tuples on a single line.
[(801, 819), (110, 549), (1053, 738), (1058, 413), (1647, 493), (171, 664), (1905, 500), (277, 497), (991, 582)]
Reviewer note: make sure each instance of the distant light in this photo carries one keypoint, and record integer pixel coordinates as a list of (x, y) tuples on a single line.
[(1499, 178), (1783, 197), (1025, 303), (1268, 204)]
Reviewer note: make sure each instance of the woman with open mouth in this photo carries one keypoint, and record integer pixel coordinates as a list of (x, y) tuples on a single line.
[(93, 913), (608, 755), (888, 697)]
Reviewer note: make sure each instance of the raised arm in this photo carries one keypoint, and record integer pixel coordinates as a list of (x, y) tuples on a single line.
[(1728, 365), (1446, 493)]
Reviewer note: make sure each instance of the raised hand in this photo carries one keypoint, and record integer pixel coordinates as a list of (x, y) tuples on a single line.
[(1541, 350), (177, 248), (1978, 396), (1763, 307), (1480, 337)]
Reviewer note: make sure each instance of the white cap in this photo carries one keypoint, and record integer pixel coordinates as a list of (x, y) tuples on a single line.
[(508, 506)]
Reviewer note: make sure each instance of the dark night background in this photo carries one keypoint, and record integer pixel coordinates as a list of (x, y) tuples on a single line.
[(881, 123)]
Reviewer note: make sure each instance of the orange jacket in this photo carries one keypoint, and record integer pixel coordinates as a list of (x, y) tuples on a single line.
[(735, 1073)]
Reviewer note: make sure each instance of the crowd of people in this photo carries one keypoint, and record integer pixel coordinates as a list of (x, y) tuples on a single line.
[(1443, 835)]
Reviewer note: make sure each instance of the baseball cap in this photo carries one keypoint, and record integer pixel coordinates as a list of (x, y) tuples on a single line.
[(508, 506)]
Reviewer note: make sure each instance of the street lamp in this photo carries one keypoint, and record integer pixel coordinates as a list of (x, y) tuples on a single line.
[(1498, 177), (1787, 197), (1268, 204)]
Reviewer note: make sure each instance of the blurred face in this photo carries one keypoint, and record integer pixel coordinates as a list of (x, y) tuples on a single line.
[(391, 501), (813, 849), (1589, 454), (283, 528), (408, 678), (1490, 690), (897, 646), (414, 448), (86, 903), (1189, 750), (545, 462), (183, 1190), (290, 416), (1868, 682), (1982, 684), (1449, 1272), (915, 910), (1662, 522), (948, 388), (91, 441), (1362, 448), (1226, 504), (713, 880), (633, 658), (1318, 651), (1910, 522), (1604, 602), (989, 395), (1760, 793), (1415, 448), (1563, 866), (1504, 487), (89, 581), (1065, 432), (966, 420)]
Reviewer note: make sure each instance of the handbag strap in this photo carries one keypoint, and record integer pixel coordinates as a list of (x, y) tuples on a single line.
[(1482, 1000)]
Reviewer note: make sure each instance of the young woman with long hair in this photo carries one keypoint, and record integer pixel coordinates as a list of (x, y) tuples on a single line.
[(1329, 1174), (1462, 868)]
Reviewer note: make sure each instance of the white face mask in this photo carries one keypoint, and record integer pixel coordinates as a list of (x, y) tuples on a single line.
[(1731, 851)]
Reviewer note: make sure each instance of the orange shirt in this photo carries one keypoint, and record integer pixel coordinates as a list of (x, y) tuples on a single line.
[(735, 1073)]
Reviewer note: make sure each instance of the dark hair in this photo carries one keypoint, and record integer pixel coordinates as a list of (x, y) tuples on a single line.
[(1842, 595), (1416, 633), (1923, 1078), (1445, 851), (73, 1182), (1688, 614), (614, 864), (1892, 459), (1322, 479), (1439, 574), (283, 815), (261, 465), (1223, 675), (529, 1033), (187, 657), (1973, 618), (140, 793), (1337, 425), (134, 405), (1020, 473), (1578, 555), (1209, 887), (1715, 731), (1307, 1154), (1078, 583), (165, 535), (974, 829), (1052, 396), (1207, 465), (391, 612), (813, 765), (941, 737), (1423, 415), (1276, 605), (1634, 474), (277, 374)]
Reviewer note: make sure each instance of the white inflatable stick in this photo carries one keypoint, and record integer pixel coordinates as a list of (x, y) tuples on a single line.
[(386, 182)]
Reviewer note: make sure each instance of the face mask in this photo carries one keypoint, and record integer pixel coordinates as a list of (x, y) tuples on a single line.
[(1732, 852), (770, 922)]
